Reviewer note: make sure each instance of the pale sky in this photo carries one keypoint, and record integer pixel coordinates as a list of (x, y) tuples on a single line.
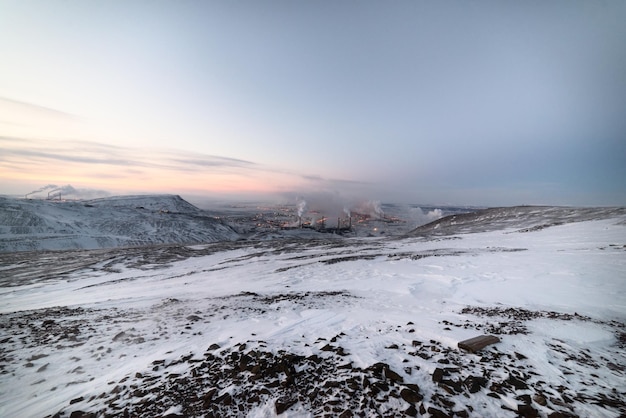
[(459, 102)]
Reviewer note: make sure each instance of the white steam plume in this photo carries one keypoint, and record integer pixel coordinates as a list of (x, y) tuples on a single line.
[(371, 208), (418, 217), (301, 206)]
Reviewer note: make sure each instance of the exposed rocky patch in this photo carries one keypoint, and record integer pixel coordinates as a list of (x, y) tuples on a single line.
[(429, 378), (233, 381)]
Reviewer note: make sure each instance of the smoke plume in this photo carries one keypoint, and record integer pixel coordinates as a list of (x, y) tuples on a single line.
[(43, 189), (66, 190)]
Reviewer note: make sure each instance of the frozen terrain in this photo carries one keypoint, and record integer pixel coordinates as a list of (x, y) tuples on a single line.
[(36, 224), (331, 326), (130, 221)]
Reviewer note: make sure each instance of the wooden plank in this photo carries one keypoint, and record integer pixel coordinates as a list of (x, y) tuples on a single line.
[(478, 343)]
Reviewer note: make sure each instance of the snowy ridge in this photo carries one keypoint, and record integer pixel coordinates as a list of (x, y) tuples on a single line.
[(155, 203), (36, 225), (524, 218), (322, 328)]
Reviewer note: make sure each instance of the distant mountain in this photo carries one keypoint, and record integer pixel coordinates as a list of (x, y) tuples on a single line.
[(35, 225), (522, 218)]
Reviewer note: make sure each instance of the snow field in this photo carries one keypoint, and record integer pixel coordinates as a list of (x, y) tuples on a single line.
[(79, 336)]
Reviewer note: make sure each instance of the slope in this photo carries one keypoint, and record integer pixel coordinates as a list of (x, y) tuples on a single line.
[(522, 218), (36, 225)]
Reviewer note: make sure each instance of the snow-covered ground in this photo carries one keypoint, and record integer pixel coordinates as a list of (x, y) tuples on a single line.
[(325, 327), (37, 225)]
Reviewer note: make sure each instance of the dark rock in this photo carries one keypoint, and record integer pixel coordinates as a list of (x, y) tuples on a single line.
[(475, 383), (558, 414), (451, 386), (499, 388), (315, 358), (410, 396), (436, 413), (213, 347), (340, 351), (224, 399), (437, 375), (81, 414), (283, 404), (381, 386), (393, 376), (378, 369), (540, 400), (412, 386), (208, 397), (478, 343), (443, 400), (411, 411), (517, 383), (527, 411), (273, 384), (76, 400)]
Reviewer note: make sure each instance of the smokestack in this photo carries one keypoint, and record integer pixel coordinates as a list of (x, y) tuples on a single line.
[(300, 221)]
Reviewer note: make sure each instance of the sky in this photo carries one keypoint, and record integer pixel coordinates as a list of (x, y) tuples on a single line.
[(437, 102)]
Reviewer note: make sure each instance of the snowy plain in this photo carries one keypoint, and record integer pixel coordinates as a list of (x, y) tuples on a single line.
[(342, 326)]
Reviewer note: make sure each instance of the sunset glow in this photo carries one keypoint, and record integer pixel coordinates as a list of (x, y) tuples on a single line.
[(467, 103)]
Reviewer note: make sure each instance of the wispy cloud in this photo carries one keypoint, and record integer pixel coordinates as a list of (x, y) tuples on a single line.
[(29, 150), (135, 161), (31, 107), (116, 167)]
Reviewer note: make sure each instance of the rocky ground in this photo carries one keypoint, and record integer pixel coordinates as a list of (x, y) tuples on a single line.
[(250, 376)]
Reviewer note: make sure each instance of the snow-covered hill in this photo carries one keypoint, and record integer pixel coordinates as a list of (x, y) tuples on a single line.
[(523, 218), (324, 328), (35, 225)]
